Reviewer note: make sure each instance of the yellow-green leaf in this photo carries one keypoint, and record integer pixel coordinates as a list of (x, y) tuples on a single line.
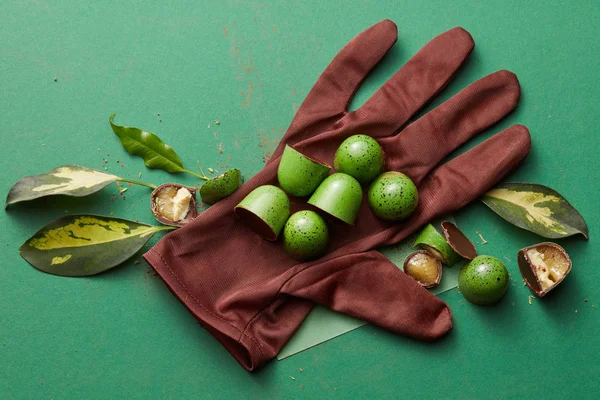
[(69, 180), (83, 245), (537, 208)]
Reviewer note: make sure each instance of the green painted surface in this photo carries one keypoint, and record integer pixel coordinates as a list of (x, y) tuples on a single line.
[(249, 64)]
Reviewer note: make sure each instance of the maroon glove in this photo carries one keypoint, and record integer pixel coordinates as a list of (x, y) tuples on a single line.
[(252, 297)]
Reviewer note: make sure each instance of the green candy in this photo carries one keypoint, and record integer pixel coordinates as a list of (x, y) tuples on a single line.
[(430, 240), (483, 281), (359, 156), (298, 174), (265, 210), (305, 236), (339, 195), (393, 196), (221, 186)]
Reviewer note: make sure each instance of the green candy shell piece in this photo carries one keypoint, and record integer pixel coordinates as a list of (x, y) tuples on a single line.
[(393, 196), (265, 210), (298, 174), (429, 239), (305, 235), (221, 186), (361, 157), (339, 195), (483, 281)]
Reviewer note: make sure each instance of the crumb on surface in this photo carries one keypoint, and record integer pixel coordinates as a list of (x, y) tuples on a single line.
[(483, 241)]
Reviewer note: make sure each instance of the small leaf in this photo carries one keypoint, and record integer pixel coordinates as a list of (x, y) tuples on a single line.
[(70, 180), (155, 152), (83, 245), (536, 208)]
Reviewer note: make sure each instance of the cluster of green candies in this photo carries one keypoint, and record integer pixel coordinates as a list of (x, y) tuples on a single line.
[(358, 161)]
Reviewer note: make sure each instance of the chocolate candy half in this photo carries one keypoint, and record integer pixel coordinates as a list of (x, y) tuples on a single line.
[(543, 266), (174, 204)]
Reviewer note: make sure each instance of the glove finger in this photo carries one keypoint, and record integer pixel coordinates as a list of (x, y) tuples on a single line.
[(466, 177), (416, 83), (427, 141), (370, 287), (331, 94), (400, 97)]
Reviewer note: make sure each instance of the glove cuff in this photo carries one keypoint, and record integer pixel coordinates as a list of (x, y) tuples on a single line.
[(252, 343)]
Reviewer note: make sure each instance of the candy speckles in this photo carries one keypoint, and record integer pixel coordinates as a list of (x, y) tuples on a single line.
[(393, 196), (305, 235), (361, 157)]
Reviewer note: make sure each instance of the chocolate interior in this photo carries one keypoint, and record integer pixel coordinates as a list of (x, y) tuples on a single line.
[(191, 214), (424, 268), (458, 241), (527, 272), (255, 223), (543, 277)]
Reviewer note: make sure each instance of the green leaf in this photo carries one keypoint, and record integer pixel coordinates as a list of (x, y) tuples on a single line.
[(83, 245), (70, 180), (155, 152), (536, 208)]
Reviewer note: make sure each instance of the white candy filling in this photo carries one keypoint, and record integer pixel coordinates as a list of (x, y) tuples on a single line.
[(173, 204), (548, 269)]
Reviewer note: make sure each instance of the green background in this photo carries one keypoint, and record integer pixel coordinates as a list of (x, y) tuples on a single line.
[(249, 64)]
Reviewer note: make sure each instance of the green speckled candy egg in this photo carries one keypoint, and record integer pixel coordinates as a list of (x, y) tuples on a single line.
[(393, 196), (221, 186), (359, 156), (305, 236), (483, 281)]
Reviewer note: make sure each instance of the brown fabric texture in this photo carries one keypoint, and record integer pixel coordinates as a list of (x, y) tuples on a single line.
[(252, 297)]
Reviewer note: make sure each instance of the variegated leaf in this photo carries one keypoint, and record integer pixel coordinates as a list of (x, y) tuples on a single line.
[(83, 245), (537, 208), (70, 180)]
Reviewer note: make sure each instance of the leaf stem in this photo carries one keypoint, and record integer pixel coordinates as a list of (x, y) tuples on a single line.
[(166, 228), (151, 186), (203, 176)]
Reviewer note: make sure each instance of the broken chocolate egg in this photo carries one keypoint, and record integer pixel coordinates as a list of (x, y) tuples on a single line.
[(265, 210), (458, 241), (543, 266), (300, 175), (424, 268), (174, 204), (339, 195), (221, 186), (430, 240)]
